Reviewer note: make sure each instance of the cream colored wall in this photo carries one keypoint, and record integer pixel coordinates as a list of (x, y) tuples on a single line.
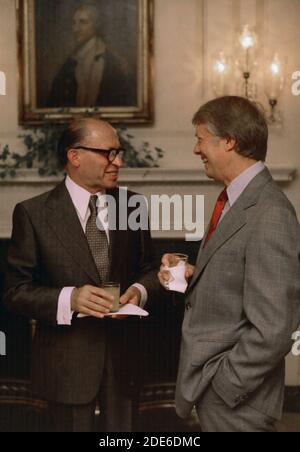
[(8, 64), (187, 33)]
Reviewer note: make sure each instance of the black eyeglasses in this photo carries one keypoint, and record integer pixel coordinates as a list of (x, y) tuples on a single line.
[(110, 154)]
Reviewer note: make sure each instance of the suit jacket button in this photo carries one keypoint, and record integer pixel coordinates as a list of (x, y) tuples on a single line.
[(238, 399)]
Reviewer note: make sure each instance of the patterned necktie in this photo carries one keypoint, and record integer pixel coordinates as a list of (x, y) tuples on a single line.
[(220, 204), (97, 240)]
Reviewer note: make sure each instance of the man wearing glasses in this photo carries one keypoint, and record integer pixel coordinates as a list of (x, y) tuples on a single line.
[(57, 262)]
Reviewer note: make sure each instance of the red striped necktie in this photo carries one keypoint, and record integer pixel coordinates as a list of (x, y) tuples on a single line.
[(220, 204)]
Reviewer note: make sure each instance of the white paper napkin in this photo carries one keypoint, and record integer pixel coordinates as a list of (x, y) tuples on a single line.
[(177, 281), (130, 309), (127, 309)]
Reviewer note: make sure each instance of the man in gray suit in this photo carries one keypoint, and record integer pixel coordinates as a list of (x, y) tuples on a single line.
[(243, 298), (58, 261)]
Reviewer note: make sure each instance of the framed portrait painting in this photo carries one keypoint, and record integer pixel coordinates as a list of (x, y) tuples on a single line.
[(79, 57)]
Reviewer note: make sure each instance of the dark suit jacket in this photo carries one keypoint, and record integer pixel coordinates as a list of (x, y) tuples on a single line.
[(243, 304), (49, 251), (116, 89)]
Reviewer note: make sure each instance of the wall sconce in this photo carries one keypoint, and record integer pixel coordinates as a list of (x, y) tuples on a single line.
[(274, 83), (245, 60)]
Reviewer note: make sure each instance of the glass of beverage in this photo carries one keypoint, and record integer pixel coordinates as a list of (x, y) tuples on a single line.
[(114, 289), (181, 259), (178, 260)]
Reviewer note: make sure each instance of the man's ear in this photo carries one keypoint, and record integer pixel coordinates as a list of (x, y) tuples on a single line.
[(230, 144), (74, 157)]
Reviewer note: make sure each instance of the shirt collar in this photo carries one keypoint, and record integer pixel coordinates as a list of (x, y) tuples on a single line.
[(80, 197), (95, 44), (238, 185)]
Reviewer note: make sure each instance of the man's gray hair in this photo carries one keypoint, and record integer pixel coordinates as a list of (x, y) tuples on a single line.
[(238, 118)]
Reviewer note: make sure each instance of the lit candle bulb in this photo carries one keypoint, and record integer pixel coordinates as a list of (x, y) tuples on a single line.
[(245, 59), (247, 38), (220, 66), (274, 78), (220, 74), (274, 81)]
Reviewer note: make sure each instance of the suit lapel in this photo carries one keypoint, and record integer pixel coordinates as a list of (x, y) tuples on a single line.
[(63, 220), (233, 221), (117, 244)]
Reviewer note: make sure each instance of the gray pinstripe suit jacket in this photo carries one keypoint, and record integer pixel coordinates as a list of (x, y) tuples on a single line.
[(243, 304)]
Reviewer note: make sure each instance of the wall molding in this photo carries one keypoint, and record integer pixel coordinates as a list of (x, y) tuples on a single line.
[(146, 176)]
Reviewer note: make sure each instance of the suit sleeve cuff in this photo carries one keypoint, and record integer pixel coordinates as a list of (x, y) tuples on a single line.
[(230, 394), (144, 294), (64, 312)]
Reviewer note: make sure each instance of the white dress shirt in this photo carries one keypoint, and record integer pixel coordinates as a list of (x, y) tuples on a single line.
[(81, 198)]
